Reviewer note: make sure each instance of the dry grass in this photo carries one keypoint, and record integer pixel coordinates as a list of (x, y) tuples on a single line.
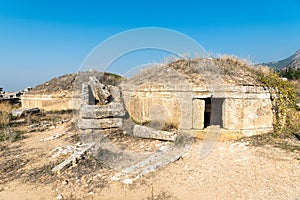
[(292, 122), (296, 83), (5, 110), (73, 82), (226, 70), (10, 135), (235, 60)]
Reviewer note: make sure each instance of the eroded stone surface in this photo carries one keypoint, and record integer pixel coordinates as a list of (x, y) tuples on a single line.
[(99, 123), (147, 132), (115, 93), (102, 111), (99, 90), (243, 109), (198, 113)]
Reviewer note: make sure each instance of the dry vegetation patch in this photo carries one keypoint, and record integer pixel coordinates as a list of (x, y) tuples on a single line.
[(5, 110), (68, 83)]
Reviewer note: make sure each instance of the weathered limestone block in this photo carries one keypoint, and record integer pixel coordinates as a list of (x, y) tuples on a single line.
[(100, 123), (110, 110), (48, 102), (22, 112), (85, 94), (153, 162), (233, 113), (115, 93), (154, 106), (257, 114), (240, 114), (99, 90), (198, 114), (146, 132), (186, 110)]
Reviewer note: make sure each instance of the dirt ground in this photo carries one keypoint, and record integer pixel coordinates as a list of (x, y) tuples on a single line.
[(233, 170)]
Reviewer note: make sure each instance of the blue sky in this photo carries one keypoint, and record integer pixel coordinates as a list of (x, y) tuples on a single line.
[(40, 40)]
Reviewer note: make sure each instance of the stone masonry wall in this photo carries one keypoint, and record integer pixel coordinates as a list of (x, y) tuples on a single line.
[(246, 110), (47, 102)]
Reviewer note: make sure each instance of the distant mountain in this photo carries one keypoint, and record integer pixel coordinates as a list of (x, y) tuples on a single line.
[(290, 62)]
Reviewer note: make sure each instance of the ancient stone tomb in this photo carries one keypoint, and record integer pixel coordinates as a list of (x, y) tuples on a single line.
[(192, 100)]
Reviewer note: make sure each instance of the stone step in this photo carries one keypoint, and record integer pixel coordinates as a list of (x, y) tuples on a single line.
[(100, 123), (102, 111)]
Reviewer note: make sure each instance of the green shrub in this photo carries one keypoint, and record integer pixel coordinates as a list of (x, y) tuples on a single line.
[(290, 73), (283, 97)]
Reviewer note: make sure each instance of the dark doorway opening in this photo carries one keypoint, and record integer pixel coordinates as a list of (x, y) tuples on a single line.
[(213, 112), (207, 112)]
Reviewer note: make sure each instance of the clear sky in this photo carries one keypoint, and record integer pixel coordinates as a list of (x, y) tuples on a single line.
[(40, 40)]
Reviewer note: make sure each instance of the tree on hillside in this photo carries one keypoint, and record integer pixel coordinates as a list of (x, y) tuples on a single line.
[(290, 73)]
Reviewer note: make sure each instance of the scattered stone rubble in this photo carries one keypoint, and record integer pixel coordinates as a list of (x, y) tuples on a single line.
[(102, 112), (73, 158), (53, 137)]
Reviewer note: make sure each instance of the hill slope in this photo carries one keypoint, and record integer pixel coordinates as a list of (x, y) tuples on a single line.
[(66, 83), (290, 62)]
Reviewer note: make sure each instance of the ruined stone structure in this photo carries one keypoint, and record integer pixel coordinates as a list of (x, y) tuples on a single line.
[(239, 111), (47, 102), (194, 104), (109, 111), (187, 95), (63, 93)]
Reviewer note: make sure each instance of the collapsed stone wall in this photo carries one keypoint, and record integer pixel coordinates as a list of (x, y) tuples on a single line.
[(102, 112), (101, 107)]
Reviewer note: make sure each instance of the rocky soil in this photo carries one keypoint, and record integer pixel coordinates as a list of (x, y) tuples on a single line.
[(232, 170)]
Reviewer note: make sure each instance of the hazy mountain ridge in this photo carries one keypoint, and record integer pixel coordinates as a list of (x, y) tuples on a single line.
[(290, 62)]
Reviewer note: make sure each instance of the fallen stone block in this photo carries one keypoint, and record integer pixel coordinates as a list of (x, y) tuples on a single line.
[(99, 123), (58, 151), (150, 133), (73, 158), (53, 137), (22, 112), (99, 90), (150, 164), (96, 111), (18, 121)]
